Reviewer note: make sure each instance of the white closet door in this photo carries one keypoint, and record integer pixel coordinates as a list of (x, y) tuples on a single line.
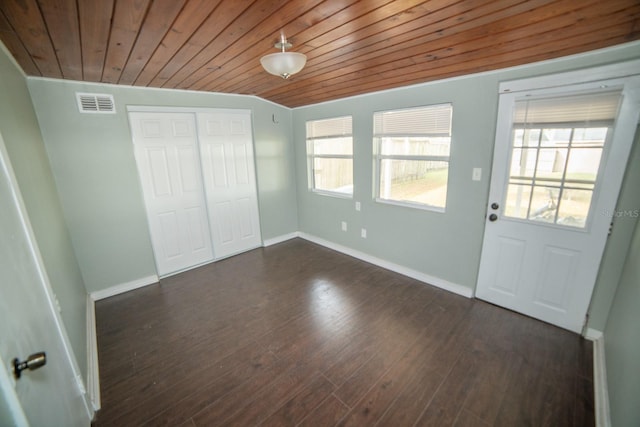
[(226, 146), (166, 150)]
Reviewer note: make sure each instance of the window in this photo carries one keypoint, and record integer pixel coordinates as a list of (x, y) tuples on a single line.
[(330, 154), (412, 155), (557, 146)]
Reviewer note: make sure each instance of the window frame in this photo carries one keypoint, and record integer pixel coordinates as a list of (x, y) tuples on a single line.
[(379, 157), (311, 156)]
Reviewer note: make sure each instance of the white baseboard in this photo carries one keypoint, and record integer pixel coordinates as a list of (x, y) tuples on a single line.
[(601, 392), (280, 239), (93, 371), (124, 287), (405, 271)]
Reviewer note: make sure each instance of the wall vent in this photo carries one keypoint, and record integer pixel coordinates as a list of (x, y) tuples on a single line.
[(98, 103)]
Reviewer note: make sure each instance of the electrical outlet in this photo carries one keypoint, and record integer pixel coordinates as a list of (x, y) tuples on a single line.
[(344, 225), (357, 206), (363, 233)]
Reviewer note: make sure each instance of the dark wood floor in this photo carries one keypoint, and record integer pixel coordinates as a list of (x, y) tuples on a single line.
[(296, 334)]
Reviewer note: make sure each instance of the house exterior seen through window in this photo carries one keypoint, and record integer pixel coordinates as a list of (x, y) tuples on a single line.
[(412, 155), (330, 156)]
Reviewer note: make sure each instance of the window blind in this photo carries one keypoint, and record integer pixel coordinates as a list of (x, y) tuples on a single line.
[(575, 109), (338, 126), (433, 120)]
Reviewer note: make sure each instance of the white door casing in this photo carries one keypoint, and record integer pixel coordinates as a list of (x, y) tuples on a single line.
[(29, 323), (226, 146), (166, 151), (548, 270)]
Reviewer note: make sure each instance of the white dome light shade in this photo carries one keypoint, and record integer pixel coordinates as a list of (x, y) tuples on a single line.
[(283, 64)]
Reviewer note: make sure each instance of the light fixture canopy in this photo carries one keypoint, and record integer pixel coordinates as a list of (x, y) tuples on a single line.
[(283, 63)]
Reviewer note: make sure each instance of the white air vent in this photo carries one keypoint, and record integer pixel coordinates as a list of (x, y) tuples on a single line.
[(99, 103)]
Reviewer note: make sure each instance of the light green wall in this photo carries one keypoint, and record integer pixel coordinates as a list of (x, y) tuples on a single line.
[(618, 243), (95, 170), (444, 245), (22, 137), (622, 343)]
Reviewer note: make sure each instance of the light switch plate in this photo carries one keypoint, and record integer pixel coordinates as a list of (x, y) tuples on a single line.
[(477, 174)]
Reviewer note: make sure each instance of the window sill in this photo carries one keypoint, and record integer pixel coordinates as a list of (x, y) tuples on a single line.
[(411, 205), (335, 194)]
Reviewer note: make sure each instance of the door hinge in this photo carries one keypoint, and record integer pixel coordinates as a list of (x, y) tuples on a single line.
[(610, 229)]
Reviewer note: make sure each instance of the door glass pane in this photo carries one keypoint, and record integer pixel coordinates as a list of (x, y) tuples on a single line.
[(551, 163), (544, 203), (523, 162), (556, 152), (584, 164), (518, 201), (574, 207)]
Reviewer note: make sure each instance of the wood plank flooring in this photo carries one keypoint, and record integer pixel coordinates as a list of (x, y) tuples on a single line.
[(297, 334)]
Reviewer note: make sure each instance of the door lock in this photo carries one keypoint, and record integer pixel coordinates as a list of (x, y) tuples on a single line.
[(493, 217), (494, 206), (33, 362)]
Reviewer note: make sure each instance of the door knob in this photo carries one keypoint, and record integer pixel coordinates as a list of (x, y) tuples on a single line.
[(493, 217), (33, 362)]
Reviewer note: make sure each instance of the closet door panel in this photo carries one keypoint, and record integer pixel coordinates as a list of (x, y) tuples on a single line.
[(166, 151), (226, 146)]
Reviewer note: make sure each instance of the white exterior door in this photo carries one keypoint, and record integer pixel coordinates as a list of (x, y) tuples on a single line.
[(52, 395), (559, 160), (226, 145), (166, 150)]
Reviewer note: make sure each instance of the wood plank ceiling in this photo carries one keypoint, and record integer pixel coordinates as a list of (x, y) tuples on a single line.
[(353, 47)]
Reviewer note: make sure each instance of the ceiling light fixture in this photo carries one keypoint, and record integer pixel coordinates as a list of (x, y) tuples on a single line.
[(283, 64)]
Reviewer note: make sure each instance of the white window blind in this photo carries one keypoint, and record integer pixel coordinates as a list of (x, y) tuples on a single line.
[(598, 107), (327, 128), (432, 120)]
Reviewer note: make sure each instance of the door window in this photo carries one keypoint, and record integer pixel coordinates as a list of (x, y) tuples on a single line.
[(556, 149)]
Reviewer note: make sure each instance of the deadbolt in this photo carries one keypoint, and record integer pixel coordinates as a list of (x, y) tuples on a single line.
[(494, 206), (33, 362), (493, 217)]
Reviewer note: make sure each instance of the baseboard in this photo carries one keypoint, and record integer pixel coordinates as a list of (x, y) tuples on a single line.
[(280, 239), (405, 271), (93, 371), (123, 287), (601, 392)]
